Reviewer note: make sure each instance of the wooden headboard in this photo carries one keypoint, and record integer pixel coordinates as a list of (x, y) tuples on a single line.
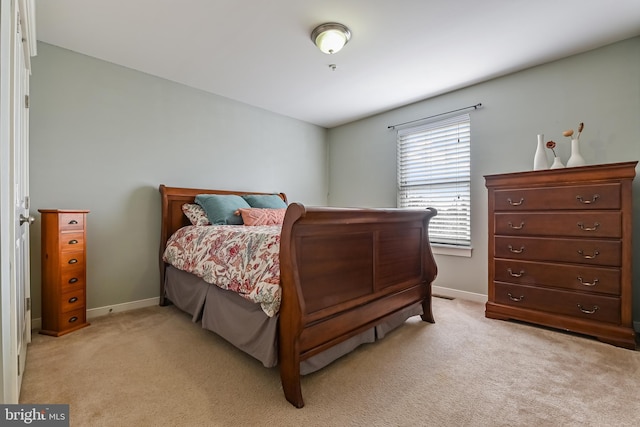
[(172, 199)]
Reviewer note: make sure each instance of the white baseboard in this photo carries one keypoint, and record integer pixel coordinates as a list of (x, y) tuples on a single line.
[(454, 293), (102, 311), (117, 308)]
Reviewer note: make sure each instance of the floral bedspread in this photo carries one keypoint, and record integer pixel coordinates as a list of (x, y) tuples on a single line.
[(238, 258)]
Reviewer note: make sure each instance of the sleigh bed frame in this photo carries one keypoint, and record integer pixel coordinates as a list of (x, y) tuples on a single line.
[(342, 271)]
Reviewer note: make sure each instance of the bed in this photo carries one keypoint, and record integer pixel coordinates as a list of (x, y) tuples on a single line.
[(346, 277)]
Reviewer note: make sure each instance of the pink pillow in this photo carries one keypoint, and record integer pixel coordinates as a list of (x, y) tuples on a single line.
[(262, 216)]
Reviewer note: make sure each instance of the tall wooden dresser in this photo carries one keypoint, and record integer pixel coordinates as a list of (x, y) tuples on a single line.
[(560, 249), (63, 271)]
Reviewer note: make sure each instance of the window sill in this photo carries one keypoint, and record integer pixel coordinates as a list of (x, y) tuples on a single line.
[(451, 250)]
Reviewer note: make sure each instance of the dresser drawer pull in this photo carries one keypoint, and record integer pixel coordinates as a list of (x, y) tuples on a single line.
[(516, 251), (73, 242), (73, 280), (73, 319), (594, 228), (584, 310), (73, 222), (516, 227), (72, 300), (73, 261), (517, 299), (588, 202), (595, 254), (595, 282), (512, 203), (515, 274)]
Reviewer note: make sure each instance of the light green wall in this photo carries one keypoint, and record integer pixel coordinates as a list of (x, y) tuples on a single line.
[(104, 137), (600, 88)]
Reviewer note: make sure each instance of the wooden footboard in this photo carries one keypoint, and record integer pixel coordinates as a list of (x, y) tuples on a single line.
[(343, 271)]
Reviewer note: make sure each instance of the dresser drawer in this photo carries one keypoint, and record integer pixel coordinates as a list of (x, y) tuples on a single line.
[(72, 242), (598, 196), (73, 300), (569, 224), (71, 221), (72, 277), (576, 304), (71, 259), (72, 319), (565, 276), (582, 251)]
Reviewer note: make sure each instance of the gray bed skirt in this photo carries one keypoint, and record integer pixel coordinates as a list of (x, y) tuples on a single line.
[(248, 328)]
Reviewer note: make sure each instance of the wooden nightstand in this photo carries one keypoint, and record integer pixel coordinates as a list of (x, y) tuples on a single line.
[(63, 271)]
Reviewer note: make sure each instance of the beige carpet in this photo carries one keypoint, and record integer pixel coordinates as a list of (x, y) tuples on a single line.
[(153, 367)]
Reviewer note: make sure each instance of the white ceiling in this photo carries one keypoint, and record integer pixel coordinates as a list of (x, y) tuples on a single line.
[(259, 51)]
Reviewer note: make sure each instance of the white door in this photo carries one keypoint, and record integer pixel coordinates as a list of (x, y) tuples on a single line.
[(17, 43), (22, 219)]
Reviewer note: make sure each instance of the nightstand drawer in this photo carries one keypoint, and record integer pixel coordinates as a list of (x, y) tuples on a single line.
[(73, 300), (71, 221), (71, 278), (575, 304), (72, 242), (600, 196), (72, 319), (71, 259)]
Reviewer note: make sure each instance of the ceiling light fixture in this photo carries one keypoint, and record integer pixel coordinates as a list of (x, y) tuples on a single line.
[(330, 37)]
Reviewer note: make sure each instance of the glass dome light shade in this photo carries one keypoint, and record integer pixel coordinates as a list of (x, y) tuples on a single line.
[(331, 37)]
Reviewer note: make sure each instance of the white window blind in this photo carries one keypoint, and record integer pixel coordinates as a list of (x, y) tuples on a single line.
[(434, 170)]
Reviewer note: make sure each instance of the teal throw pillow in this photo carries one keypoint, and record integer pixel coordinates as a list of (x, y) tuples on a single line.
[(265, 201), (221, 208)]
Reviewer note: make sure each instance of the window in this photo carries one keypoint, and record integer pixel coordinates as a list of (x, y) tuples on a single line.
[(434, 170)]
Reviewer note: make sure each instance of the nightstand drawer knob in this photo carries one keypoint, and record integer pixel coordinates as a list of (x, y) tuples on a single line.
[(73, 242), (585, 311), (73, 280), (516, 227), (595, 282), (73, 221), (512, 203), (73, 299), (73, 319), (588, 202), (73, 261), (517, 299)]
